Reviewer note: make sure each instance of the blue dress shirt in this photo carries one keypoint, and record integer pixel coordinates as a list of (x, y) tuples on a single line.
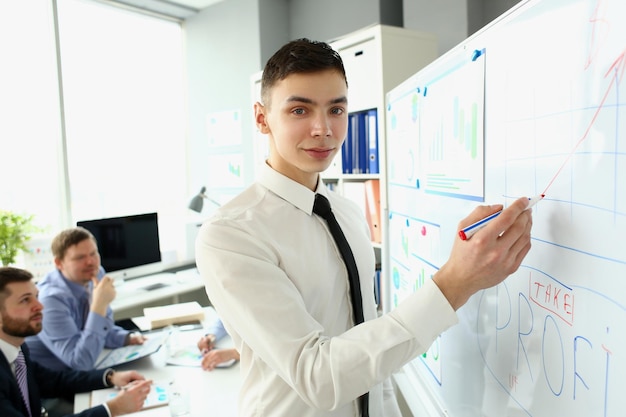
[(73, 336)]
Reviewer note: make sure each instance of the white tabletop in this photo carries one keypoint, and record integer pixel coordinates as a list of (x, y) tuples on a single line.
[(140, 291), (211, 393)]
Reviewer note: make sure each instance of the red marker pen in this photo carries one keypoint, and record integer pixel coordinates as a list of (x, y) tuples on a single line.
[(469, 231)]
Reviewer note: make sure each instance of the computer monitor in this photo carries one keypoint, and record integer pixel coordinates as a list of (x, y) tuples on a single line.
[(128, 245)]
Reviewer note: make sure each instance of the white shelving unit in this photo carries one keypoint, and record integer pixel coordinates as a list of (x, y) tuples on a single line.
[(377, 59)]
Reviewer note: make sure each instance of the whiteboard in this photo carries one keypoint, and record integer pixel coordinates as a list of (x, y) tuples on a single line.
[(533, 103)]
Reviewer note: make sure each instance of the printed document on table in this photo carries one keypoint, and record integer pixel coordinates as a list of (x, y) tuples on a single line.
[(130, 353)]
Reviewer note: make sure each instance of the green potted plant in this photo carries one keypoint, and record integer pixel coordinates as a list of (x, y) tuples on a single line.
[(15, 231)]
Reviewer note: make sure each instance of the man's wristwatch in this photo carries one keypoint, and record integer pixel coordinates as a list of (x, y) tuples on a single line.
[(108, 377)]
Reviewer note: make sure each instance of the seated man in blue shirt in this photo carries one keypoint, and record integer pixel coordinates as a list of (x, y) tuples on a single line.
[(76, 296)]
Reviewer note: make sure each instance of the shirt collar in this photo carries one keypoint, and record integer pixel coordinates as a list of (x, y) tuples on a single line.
[(290, 190), (10, 351), (78, 290)]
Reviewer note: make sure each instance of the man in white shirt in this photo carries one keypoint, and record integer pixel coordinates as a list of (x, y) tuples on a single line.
[(277, 280)]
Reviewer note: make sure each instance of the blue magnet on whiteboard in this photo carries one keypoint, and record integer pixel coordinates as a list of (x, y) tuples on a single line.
[(477, 53), (425, 90)]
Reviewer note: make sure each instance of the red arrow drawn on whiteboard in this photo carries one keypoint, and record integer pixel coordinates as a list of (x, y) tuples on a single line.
[(616, 72), (618, 66)]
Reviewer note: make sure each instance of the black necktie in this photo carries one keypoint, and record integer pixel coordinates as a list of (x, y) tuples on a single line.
[(321, 207)]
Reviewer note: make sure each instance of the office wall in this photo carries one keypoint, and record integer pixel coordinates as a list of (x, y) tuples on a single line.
[(223, 50), (330, 19), (481, 12), (447, 19), (273, 27), (452, 20)]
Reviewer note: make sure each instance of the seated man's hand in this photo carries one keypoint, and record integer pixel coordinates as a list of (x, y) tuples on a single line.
[(206, 342), (135, 339), (214, 357), (130, 399), (123, 378), (102, 295)]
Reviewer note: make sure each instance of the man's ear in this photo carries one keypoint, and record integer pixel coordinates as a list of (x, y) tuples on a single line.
[(260, 118)]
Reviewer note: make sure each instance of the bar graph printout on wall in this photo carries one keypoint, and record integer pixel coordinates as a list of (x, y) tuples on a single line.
[(436, 132), (551, 339), (445, 111)]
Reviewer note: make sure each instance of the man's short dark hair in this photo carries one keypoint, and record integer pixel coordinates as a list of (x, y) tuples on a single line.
[(299, 56), (9, 275)]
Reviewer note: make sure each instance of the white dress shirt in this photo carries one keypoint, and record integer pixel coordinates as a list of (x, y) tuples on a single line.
[(274, 274), (10, 353)]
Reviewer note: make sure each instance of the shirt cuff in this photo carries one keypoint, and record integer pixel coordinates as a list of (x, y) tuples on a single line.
[(105, 378), (106, 407), (428, 301)]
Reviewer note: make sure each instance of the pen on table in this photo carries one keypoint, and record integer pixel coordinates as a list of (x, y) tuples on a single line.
[(469, 231)]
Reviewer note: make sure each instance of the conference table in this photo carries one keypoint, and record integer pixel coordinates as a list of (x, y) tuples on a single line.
[(211, 393)]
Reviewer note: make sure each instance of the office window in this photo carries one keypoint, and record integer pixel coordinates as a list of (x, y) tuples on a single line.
[(123, 111), (30, 133)]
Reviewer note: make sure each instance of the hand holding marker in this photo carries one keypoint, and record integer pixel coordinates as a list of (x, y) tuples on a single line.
[(469, 231)]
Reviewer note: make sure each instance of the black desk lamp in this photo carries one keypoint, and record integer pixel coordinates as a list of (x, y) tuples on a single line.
[(197, 202)]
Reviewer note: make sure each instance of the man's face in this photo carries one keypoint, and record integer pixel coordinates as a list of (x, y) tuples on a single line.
[(306, 120), (81, 262), (21, 314)]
